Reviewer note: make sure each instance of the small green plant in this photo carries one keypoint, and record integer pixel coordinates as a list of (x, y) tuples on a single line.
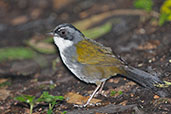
[(143, 4), (27, 99), (120, 92), (113, 93), (165, 12), (64, 112), (45, 97)]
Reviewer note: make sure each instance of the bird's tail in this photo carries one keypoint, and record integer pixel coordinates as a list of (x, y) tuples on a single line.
[(143, 78)]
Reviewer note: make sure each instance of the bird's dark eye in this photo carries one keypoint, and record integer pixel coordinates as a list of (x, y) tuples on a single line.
[(62, 33)]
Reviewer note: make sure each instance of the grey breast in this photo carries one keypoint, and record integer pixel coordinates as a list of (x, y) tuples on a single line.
[(69, 58)]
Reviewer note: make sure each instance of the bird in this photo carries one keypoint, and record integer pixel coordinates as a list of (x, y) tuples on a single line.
[(94, 63)]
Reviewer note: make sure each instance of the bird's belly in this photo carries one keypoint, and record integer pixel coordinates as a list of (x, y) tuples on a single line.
[(78, 70)]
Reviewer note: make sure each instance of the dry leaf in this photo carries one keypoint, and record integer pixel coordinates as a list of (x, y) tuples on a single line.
[(149, 45), (4, 93), (75, 98), (100, 113), (35, 13), (3, 80), (57, 4), (125, 87), (124, 103), (19, 20), (132, 95), (88, 22), (37, 43), (156, 97), (3, 4)]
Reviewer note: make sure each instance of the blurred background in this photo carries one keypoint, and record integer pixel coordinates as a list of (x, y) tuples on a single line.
[(21, 19), (137, 30)]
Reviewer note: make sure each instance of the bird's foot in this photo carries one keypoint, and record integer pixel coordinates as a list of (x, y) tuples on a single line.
[(85, 105), (80, 105), (101, 93)]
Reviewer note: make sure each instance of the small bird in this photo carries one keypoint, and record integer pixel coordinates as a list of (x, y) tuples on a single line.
[(94, 63)]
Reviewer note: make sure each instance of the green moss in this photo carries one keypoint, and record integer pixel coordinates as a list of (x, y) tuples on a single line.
[(15, 53)]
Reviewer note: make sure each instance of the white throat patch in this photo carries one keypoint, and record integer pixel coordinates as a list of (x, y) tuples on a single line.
[(61, 43)]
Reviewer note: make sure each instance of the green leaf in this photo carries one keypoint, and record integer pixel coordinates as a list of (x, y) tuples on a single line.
[(45, 97), (163, 18), (98, 31), (64, 112), (15, 53), (143, 4), (59, 97), (20, 99), (165, 12), (49, 111), (25, 98), (42, 46), (29, 99)]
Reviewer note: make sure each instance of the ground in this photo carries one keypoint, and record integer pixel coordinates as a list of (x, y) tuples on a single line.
[(138, 40)]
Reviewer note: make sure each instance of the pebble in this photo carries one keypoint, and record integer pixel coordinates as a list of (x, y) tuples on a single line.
[(140, 65), (170, 61)]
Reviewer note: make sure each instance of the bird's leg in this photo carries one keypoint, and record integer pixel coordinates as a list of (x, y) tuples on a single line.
[(100, 90), (92, 95), (99, 86)]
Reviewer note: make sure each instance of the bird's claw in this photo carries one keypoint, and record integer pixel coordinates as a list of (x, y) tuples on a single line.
[(85, 105), (80, 106)]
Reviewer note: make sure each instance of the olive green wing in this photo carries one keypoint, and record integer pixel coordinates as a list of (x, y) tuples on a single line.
[(99, 61), (91, 52)]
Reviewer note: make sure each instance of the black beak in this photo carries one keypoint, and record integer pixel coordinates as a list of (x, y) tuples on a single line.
[(50, 33)]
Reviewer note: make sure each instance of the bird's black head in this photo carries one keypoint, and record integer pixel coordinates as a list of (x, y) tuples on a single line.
[(67, 31), (66, 35)]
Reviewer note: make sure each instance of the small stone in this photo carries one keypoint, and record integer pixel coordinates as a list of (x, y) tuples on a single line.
[(142, 31), (150, 61), (132, 95), (170, 61), (140, 65)]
